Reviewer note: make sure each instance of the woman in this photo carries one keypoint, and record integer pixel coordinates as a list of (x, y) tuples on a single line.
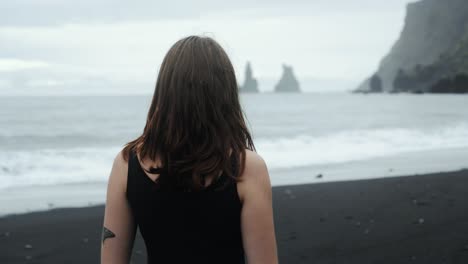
[(192, 182)]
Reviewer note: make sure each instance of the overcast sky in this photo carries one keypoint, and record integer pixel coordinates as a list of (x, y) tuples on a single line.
[(116, 47)]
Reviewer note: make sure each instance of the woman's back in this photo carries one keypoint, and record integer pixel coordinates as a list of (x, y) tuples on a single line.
[(186, 227), (186, 211)]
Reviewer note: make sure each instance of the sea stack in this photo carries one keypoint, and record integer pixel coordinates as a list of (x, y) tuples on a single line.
[(250, 83), (288, 82)]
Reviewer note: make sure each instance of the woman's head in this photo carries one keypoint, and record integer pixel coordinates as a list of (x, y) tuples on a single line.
[(195, 119)]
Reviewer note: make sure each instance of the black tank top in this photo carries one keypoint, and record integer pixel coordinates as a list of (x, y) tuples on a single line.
[(186, 227)]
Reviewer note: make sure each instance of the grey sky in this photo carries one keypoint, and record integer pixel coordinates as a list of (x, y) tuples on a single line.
[(73, 47)]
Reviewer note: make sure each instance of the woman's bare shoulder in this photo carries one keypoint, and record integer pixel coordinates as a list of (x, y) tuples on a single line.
[(119, 171), (120, 162), (255, 166), (255, 178)]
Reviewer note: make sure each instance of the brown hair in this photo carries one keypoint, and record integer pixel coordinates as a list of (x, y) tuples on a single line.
[(195, 120)]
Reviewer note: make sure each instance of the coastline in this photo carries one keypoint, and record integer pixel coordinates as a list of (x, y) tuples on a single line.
[(36, 198), (403, 219)]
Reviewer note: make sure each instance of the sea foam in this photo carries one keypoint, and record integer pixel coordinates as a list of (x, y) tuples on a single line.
[(93, 165)]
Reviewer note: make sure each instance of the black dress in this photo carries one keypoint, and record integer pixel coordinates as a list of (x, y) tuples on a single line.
[(186, 227)]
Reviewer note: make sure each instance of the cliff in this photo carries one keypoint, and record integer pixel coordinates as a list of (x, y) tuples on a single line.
[(431, 41), (250, 83), (288, 82), (449, 74)]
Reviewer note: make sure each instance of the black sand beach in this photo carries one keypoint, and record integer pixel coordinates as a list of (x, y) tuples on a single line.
[(422, 219)]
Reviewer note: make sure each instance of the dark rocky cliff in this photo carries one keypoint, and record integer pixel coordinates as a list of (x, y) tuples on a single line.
[(429, 47)]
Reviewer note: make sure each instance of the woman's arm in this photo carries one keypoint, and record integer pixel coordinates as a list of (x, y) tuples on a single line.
[(119, 227), (258, 231)]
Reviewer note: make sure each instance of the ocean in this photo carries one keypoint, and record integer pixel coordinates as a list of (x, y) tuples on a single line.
[(57, 151)]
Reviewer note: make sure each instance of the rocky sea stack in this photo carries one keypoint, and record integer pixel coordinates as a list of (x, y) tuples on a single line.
[(431, 55), (250, 83), (288, 82)]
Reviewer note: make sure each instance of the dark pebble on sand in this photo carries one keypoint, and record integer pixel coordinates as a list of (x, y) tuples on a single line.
[(319, 176), (420, 203), (292, 236), (289, 193)]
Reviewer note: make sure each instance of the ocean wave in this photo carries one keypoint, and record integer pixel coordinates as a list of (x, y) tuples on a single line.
[(356, 145), (80, 165), (55, 166)]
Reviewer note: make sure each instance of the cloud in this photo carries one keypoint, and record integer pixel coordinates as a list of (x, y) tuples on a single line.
[(59, 12), (91, 53), (11, 65), (55, 12)]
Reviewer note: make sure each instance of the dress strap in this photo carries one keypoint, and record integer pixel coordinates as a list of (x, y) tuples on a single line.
[(131, 175)]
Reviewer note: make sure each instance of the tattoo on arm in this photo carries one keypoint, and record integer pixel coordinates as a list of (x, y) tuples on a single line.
[(106, 233)]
